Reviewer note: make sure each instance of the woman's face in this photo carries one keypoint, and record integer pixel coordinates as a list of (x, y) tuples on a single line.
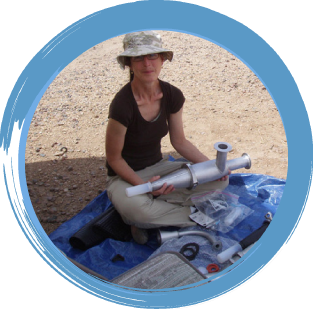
[(146, 70)]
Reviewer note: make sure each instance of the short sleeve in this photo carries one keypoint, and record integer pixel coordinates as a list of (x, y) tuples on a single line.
[(177, 99), (121, 108), (173, 98)]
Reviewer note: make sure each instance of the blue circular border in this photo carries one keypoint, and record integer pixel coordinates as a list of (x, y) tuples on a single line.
[(212, 26)]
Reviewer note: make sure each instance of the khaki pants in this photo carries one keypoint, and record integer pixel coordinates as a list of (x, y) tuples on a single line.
[(146, 212)]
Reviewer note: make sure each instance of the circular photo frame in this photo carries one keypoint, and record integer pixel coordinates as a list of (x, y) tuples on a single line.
[(204, 23)]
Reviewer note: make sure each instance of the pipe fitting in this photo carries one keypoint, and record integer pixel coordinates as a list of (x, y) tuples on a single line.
[(222, 149), (163, 236), (191, 175)]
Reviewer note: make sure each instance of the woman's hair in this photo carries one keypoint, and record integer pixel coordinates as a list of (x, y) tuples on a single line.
[(131, 75), (127, 63)]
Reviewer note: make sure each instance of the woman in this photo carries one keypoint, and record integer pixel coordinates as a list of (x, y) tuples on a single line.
[(143, 112)]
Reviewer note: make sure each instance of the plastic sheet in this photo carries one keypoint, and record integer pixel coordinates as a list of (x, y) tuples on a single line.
[(260, 193)]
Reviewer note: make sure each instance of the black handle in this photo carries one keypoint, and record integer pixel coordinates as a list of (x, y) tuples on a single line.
[(254, 236)]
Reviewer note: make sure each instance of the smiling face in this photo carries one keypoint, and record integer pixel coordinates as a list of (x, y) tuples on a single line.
[(146, 70)]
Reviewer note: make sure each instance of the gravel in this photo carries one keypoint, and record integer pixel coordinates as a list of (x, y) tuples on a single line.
[(225, 101)]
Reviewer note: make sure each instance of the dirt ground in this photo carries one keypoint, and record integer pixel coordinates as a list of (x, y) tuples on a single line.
[(225, 101)]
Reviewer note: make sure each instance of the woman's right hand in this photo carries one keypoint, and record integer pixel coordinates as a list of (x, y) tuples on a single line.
[(162, 191)]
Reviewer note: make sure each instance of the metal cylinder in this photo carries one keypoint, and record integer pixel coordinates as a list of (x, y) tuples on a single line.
[(243, 162), (222, 149), (193, 174), (180, 179)]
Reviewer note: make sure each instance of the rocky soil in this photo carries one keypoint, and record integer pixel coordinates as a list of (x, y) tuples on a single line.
[(225, 101)]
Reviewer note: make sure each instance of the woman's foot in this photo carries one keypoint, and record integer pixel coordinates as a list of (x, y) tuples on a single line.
[(140, 235)]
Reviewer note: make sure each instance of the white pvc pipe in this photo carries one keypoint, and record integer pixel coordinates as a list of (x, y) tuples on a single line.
[(227, 254), (140, 189)]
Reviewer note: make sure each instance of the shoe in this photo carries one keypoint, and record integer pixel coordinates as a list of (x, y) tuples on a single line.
[(139, 235)]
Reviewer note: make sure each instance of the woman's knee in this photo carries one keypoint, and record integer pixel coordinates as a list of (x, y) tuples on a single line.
[(135, 209), (140, 213)]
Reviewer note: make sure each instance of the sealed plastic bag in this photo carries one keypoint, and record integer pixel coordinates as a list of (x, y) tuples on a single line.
[(213, 201), (219, 210)]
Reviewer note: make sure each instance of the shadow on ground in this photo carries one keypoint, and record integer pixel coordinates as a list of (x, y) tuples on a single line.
[(59, 189)]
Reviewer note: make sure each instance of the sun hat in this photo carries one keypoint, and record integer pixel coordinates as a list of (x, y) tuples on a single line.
[(142, 43)]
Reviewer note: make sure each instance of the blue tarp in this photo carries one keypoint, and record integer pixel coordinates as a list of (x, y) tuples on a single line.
[(261, 193)]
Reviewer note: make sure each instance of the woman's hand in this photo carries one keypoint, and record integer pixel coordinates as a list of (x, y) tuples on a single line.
[(162, 191)]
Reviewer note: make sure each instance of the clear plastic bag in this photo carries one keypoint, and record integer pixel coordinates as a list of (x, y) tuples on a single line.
[(219, 210), (213, 201)]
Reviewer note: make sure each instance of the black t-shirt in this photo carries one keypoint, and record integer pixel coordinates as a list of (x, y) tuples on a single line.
[(142, 147)]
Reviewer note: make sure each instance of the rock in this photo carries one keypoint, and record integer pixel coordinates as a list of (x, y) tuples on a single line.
[(54, 189), (50, 198), (52, 219), (52, 210)]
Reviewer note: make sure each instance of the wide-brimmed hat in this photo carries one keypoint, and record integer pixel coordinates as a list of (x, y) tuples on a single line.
[(142, 43)]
